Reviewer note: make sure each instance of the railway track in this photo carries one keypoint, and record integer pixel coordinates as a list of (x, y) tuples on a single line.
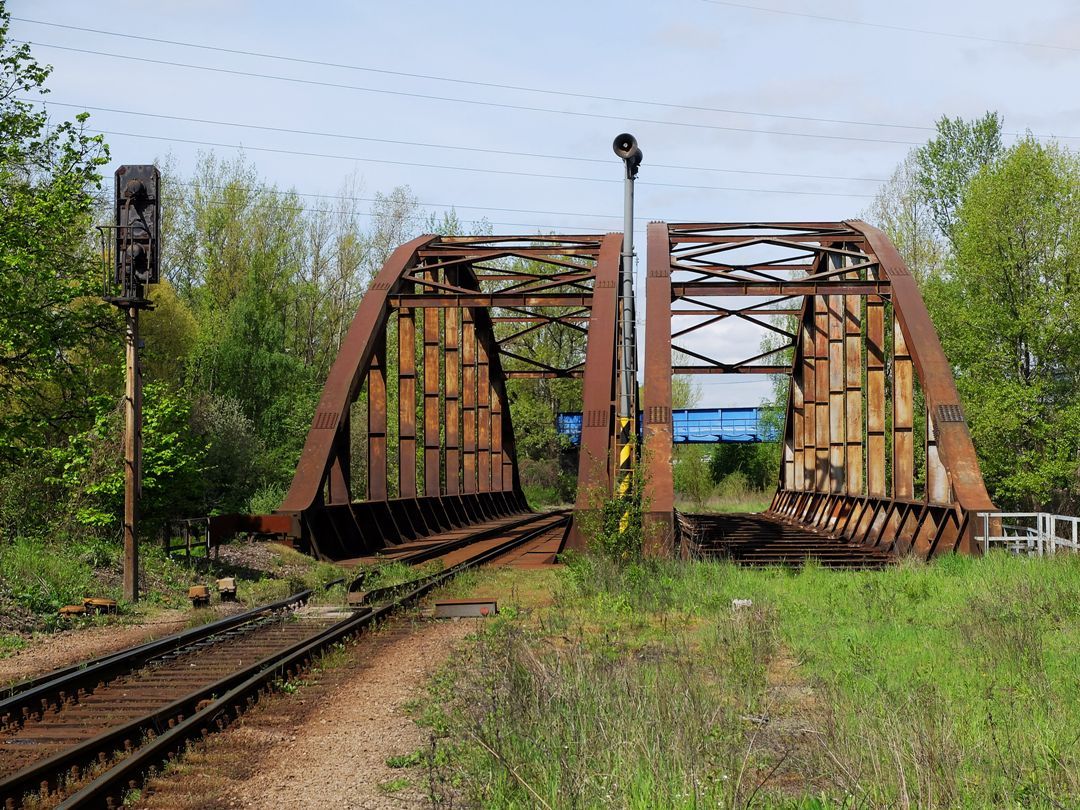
[(761, 540), (84, 736)]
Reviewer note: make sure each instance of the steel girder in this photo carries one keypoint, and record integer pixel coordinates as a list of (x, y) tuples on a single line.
[(868, 378), (422, 372)]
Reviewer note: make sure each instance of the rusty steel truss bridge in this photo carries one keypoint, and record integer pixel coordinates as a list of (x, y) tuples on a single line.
[(412, 437)]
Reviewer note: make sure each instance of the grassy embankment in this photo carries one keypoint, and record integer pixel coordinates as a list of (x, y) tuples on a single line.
[(955, 684), (38, 577)]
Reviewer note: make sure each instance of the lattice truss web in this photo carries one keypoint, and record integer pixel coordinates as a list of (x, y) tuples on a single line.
[(477, 312)]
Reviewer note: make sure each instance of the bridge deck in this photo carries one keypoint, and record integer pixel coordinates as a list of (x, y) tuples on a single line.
[(756, 539)]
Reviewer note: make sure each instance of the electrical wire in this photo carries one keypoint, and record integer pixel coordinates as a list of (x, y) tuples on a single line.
[(306, 210), (474, 169), (473, 82), (346, 197), (475, 102), (579, 95), (888, 27), (513, 153)]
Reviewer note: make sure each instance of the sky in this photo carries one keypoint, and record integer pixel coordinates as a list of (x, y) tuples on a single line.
[(746, 111)]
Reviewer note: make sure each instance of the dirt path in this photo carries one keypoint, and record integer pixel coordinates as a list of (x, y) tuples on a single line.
[(787, 731), (52, 651), (325, 746)]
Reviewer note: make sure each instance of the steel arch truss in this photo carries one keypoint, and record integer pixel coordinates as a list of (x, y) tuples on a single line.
[(875, 445), (412, 434)]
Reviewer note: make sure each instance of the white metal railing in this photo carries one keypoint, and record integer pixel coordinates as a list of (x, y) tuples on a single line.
[(1035, 534)]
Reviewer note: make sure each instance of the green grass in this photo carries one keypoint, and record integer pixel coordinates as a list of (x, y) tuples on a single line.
[(953, 684), (751, 501), (39, 576), (42, 577), (11, 643)]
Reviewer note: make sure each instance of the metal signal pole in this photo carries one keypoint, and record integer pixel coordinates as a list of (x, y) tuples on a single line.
[(626, 147), (133, 242), (132, 453)]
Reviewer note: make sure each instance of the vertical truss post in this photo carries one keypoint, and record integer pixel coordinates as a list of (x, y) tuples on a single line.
[(937, 479), (903, 418), (659, 494), (468, 401), (598, 389), (853, 364), (406, 403), (821, 395), (496, 441), (339, 483), (483, 419), (809, 377), (376, 421), (876, 485), (452, 371), (837, 415), (794, 480), (432, 439)]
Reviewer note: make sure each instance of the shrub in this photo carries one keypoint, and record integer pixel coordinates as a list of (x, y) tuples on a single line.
[(44, 578)]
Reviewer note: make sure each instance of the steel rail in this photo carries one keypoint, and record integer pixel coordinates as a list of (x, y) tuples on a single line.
[(422, 555), (44, 690), (190, 715), (110, 786)]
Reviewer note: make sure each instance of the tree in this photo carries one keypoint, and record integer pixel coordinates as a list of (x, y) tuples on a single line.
[(902, 211), (1007, 311), (948, 162), (50, 316)]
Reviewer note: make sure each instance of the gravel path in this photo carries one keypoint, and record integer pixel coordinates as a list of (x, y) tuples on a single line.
[(325, 746), (54, 650)]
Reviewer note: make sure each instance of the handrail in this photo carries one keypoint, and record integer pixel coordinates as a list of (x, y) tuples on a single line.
[(1044, 534)]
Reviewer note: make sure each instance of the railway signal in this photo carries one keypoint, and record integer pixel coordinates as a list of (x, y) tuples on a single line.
[(133, 244)]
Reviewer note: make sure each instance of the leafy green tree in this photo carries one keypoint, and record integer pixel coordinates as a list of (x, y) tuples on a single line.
[(50, 316), (948, 162), (902, 211), (1007, 312), (91, 464)]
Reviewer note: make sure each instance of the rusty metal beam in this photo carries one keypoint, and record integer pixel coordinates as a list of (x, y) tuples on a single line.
[(452, 401), (659, 494), (793, 287), (598, 390)]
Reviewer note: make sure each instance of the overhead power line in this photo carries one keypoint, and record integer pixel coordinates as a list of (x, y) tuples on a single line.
[(274, 150), (569, 93), (471, 82), (303, 209), (348, 198), (474, 102), (888, 27), (512, 153)]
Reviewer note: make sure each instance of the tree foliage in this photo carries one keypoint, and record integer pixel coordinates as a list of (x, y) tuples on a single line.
[(1007, 309), (948, 162), (50, 318)]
